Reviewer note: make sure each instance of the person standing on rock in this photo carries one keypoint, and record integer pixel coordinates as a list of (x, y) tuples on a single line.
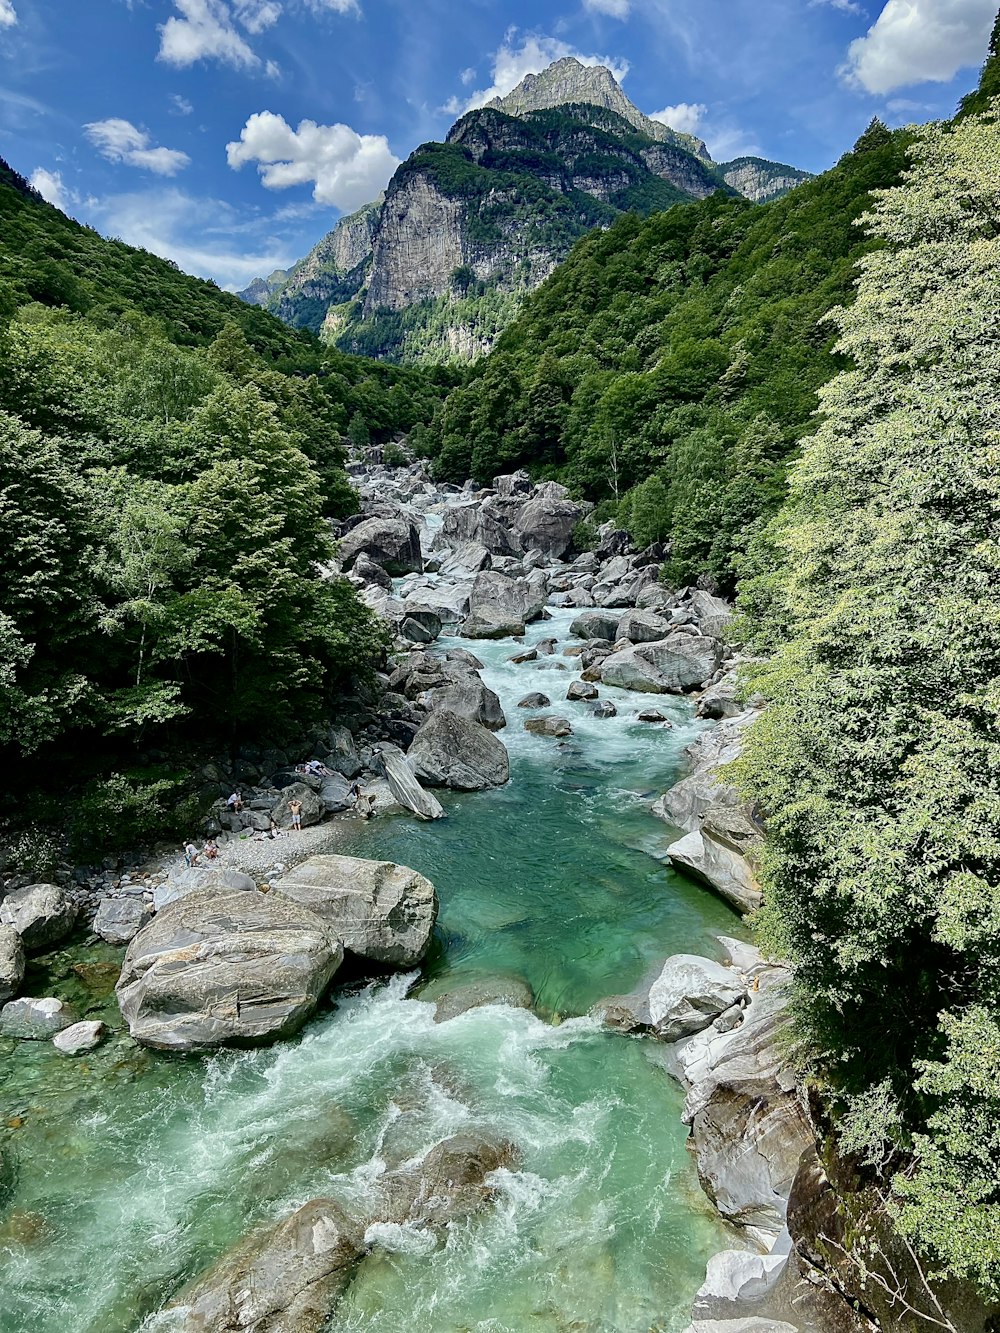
[(190, 854), (295, 810)]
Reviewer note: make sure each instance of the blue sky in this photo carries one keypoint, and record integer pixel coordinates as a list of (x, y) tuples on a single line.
[(229, 135)]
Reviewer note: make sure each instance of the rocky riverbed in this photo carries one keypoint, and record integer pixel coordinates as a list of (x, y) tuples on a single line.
[(559, 683)]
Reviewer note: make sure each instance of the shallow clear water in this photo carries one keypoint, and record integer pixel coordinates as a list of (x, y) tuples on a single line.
[(136, 1170)]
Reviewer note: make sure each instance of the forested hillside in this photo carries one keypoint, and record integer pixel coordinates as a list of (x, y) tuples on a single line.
[(168, 456), (672, 363), (875, 599)]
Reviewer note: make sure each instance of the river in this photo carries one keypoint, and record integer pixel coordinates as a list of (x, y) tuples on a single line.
[(136, 1169)]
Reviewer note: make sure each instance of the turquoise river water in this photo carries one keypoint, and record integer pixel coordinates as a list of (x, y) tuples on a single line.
[(135, 1170)]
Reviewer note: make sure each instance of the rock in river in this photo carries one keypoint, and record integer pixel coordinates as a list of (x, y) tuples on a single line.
[(548, 726), (393, 543), (119, 920), (79, 1037), (689, 993), (185, 880), (669, 666), (11, 962), (35, 1020), (380, 911), (225, 967), (451, 751), (41, 914)]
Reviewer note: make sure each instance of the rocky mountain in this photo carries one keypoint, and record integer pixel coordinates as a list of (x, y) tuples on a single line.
[(438, 268), (761, 181)]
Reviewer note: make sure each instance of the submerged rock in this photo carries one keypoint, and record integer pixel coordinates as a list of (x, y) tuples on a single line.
[(225, 967), (379, 910), (12, 962), (42, 914), (35, 1019), (479, 993), (79, 1037), (451, 751)]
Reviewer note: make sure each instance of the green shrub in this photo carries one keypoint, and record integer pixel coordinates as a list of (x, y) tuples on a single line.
[(119, 812)]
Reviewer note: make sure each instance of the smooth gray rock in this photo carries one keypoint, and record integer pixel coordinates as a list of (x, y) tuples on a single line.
[(313, 805), (466, 560), (378, 910), (393, 543), (368, 571), (689, 993), (183, 880), (687, 801), (595, 625), (79, 1037), (549, 726), (581, 689), (335, 793), (450, 751), (479, 993), (12, 962), (722, 853), (33, 1019), (535, 700), (407, 790), (604, 709), (468, 696), (546, 524), (42, 914), (503, 600), (712, 614), (225, 967), (642, 627), (119, 919), (673, 665)]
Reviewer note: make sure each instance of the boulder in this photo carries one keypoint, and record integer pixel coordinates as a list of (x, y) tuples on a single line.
[(313, 807), (35, 1019), (369, 572), (183, 880), (548, 726), (393, 543), (379, 910), (407, 790), (335, 793), (500, 606), (689, 993), (513, 483), (535, 700), (486, 625), (650, 715), (42, 914), (119, 919), (225, 967), (686, 801), (286, 1278), (581, 689), (712, 614), (528, 655), (604, 709), (469, 697), (12, 962), (722, 854), (343, 755), (466, 560), (595, 625), (79, 1037), (460, 997), (418, 631), (547, 525), (672, 665), (642, 627), (451, 751)]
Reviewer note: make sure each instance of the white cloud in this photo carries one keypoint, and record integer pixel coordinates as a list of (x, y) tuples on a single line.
[(334, 6), (120, 141), (181, 106), (49, 185), (725, 142), (616, 9), (199, 235), (685, 117), (346, 169), (845, 6), (919, 41), (511, 63), (204, 31), (8, 15), (467, 76), (256, 15)]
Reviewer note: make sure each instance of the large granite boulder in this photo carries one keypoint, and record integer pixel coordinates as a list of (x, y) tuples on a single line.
[(513, 483), (313, 804), (723, 854), (335, 793), (287, 1278), (546, 524), (500, 606), (711, 613), (596, 625), (407, 790), (642, 627), (184, 880), (119, 920), (673, 665), (451, 751), (689, 993), (42, 914), (393, 543), (225, 967), (12, 962), (378, 910), (466, 694)]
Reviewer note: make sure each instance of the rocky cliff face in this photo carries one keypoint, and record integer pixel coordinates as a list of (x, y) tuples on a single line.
[(568, 81), (761, 181), (438, 268)]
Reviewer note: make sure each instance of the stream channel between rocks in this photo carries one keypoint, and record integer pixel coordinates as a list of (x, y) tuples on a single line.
[(136, 1170)]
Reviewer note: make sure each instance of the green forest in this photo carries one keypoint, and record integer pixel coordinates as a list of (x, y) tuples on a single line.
[(168, 459)]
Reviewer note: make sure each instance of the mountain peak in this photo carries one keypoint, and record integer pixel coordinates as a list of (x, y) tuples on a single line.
[(569, 81)]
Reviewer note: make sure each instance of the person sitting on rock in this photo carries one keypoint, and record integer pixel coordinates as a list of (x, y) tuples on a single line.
[(295, 810), (211, 850), (235, 803), (273, 830)]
